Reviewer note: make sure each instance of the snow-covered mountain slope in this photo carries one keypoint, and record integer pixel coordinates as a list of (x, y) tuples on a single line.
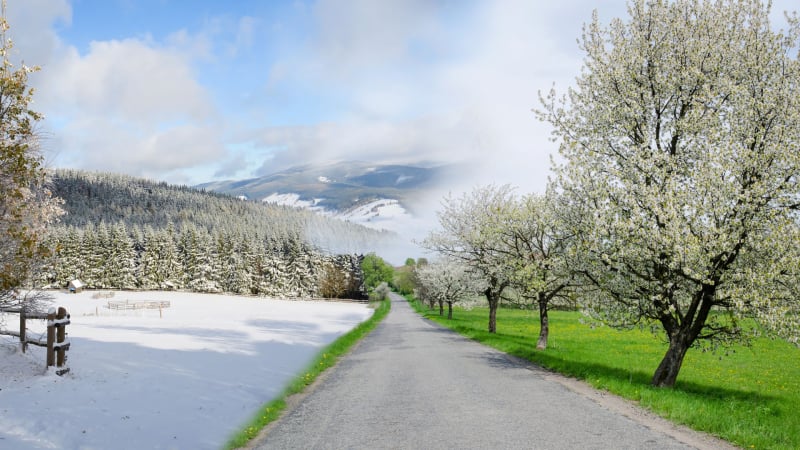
[(294, 200), (340, 186), (375, 212), (382, 214)]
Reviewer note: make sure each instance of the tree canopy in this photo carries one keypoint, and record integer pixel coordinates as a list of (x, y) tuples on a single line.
[(446, 281), (376, 271), (26, 206), (680, 143), (471, 231)]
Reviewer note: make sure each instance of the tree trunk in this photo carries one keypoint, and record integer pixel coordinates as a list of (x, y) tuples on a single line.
[(449, 310), (493, 293), (682, 335), (544, 321), (493, 316), (667, 372), (441, 308)]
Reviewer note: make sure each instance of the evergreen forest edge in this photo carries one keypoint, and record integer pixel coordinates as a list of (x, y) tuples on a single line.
[(121, 232)]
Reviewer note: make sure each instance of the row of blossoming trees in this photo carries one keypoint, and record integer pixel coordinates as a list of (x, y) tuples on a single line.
[(675, 200)]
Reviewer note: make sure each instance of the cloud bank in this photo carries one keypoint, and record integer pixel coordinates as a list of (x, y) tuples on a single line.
[(199, 93)]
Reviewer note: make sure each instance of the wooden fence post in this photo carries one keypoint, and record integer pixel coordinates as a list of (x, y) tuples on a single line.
[(61, 336), (23, 331), (51, 337)]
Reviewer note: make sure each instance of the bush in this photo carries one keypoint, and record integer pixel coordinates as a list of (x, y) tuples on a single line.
[(376, 271), (380, 293)]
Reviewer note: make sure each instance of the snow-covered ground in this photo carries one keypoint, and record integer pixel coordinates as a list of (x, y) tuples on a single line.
[(293, 200), (385, 213), (381, 214), (186, 380)]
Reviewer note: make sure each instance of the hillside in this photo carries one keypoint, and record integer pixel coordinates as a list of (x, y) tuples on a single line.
[(129, 233), (339, 188), (91, 198)]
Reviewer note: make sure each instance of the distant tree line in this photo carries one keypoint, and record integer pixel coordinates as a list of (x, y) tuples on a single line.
[(119, 257), (127, 233)]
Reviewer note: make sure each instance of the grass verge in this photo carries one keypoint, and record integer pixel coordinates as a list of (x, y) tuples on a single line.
[(326, 358), (748, 396)]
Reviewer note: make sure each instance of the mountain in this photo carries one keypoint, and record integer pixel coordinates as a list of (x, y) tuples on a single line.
[(91, 198), (356, 191)]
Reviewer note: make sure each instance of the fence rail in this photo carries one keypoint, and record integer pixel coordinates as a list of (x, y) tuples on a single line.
[(56, 343), (147, 304)]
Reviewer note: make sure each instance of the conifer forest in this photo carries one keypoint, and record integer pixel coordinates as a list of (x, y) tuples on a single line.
[(121, 232)]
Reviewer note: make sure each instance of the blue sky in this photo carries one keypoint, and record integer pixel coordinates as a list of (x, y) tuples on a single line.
[(188, 91)]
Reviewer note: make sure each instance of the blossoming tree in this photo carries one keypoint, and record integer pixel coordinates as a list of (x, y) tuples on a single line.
[(681, 143), (471, 232), (447, 281)]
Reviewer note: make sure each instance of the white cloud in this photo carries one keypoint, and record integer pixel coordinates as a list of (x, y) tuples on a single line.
[(150, 153), (128, 80), (418, 88), (431, 139), (133, 106), (34, 19), (394, 81), (362, 34)]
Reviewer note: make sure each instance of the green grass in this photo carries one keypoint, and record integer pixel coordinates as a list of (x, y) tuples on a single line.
[(749, 396), (325, 359)]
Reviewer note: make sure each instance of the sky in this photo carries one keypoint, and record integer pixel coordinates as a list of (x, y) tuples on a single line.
[(191, 91)]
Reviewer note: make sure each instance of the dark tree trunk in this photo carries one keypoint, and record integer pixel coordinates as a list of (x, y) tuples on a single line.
[(449, 310), (544, 321), (441, 308), (667, 372), (682, 335), (493, 316), (493, 293)]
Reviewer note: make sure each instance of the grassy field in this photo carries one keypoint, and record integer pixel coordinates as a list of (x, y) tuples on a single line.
[(324, 360), (749, 396)]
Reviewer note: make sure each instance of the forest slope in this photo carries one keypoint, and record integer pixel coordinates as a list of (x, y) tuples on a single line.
[(128, 233)]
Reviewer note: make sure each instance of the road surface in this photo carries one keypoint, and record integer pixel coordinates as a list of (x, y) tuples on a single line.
[(412, 384)]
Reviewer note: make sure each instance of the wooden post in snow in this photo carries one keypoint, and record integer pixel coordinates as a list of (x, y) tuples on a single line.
[(51, 337), (23, 331), (61, 335)]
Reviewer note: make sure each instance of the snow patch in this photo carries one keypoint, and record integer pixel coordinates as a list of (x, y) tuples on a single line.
[(382, 214), (322, 179), (402, 179), (376, 214), (293, 200)]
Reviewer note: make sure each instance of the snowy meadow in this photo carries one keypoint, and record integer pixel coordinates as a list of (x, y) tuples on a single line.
[(187, 376)]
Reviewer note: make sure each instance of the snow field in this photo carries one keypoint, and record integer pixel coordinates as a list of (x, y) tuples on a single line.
[(187, 379)]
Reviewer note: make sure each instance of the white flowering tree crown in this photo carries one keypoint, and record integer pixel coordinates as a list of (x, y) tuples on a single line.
[(681, 142)]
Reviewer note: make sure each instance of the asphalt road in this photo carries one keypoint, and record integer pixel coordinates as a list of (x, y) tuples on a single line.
[(411, 384)]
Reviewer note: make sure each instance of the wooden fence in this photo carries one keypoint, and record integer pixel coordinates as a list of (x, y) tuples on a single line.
[(139, 304), (56, 342)]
